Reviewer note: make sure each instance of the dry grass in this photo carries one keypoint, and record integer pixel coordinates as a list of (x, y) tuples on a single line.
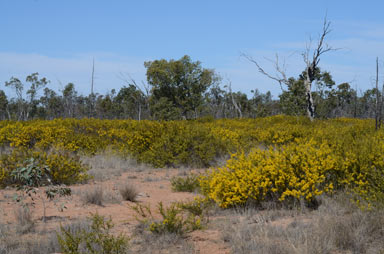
[(128, 192), (336, 227), (112, 196), (146, 242), (13, 243), (24, 220), (98, 195), (108, 165), (93, 195)]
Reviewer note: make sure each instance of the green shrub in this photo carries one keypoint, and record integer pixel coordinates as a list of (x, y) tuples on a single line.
[(175, 219), (96, 239), (64, 168), (32, 176), (185, 184)]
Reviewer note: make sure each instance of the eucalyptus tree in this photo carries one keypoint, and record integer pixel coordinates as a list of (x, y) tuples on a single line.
[(181, 83), (311, 57)]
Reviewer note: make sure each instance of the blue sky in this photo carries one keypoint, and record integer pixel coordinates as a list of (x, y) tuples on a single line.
[(59, 39)]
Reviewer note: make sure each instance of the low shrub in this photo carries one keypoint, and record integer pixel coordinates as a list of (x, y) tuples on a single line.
[(95, 239), (30, 178), (176, 219), (185, 184), (294, 172), (65, 168), (301, 171)]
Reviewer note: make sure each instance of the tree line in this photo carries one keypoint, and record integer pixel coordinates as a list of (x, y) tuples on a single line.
[(183, 89)]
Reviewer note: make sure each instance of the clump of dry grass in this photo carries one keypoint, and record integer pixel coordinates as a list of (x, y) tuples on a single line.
[(99, 195), (107, 165), (93, 195), (146, 242), (336, 227), (24, 220), (128, 192), (112, 197), (11, 242)]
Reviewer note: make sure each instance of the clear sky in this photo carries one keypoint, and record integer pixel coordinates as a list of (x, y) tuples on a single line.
[(59, 39)]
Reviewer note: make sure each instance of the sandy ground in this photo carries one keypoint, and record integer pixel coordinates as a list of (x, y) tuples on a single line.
[(153, 186)]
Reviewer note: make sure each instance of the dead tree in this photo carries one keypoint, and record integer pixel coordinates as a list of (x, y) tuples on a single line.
[(235, 105), (378, 103), (311, 58)]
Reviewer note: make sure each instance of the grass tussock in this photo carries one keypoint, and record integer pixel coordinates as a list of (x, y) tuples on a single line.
[(24, 220), (12, 242), (93, 195), (144, 242), (336, 227), (106, 165), (128, 192)]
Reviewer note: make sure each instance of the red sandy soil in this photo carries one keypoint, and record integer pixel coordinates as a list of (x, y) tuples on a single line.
[(153, 186)]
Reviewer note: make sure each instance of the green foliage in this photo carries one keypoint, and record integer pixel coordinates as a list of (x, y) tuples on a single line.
[(172, 221), (182, 82), (129, 101), (177, 218), (185, 184), (34, 167), (180, 143), (98, 239), (198, 207), (32, 176), (163, 109), (293, 101)]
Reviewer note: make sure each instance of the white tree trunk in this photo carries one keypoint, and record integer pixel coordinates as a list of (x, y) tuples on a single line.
[(310, 105)]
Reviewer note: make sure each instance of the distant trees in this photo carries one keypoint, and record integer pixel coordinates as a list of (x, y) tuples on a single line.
[(183, 89), (178, 86), (24, 107)]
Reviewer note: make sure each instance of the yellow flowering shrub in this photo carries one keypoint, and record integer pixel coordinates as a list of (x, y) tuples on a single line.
[(279, 157), (64, 167), (332, 155), (292, 171)]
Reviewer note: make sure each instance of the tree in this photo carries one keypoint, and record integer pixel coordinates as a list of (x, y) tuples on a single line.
[(69, 97), (311, 59), (130, 102), (36, 85), (182, 82), (52, 105), (18, 86), (261, 104), (292, 101), (4, 113)]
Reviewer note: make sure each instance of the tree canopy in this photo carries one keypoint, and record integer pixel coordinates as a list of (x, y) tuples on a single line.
[(179, 83)]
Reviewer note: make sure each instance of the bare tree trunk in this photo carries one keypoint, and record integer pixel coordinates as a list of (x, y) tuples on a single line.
[(377, 118), (9, 114), (311, 62), (234, 101), (381, 105), (310, 105), (139, 115), (92, 98)]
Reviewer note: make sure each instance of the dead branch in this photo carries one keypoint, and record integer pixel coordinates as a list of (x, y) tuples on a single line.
[(281, 77)]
